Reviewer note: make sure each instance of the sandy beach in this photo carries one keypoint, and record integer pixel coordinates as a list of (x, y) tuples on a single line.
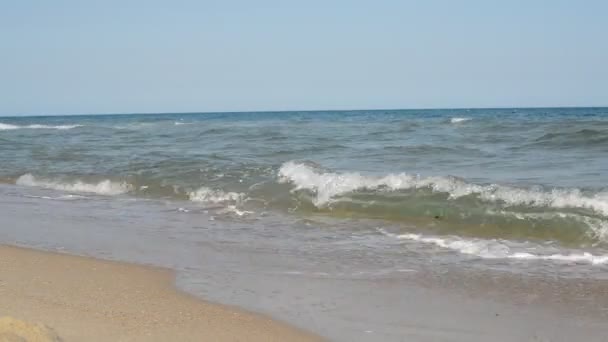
[(71, 298)]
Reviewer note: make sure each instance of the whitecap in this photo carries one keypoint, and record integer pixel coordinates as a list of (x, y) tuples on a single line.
[(5, 127), (232, 209), (58, 198), (459, 120), (179, 123), (328, 185), (208, 195), (36, 126), (497, 249), (104, 187)]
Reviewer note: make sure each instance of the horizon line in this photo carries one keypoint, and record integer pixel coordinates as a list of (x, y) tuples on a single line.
[(300, 110)]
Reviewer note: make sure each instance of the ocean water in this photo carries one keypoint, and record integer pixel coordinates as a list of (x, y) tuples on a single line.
[(296, 213), (483, 184)]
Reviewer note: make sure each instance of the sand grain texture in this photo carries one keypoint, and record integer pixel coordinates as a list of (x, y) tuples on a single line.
[(84, 299), (14, 330)]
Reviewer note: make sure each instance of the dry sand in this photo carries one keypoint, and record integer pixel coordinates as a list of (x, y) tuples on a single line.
[(49, 297)]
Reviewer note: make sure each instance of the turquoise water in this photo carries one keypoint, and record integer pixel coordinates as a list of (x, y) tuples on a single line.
[(496, 184)]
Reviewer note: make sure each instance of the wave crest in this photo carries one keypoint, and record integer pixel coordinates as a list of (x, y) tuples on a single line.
[(5, 127), (459, 120), (328, 185), (208, 195), (104, 187), (495, 249)]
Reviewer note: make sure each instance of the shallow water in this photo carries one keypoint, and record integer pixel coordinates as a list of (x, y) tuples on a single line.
[(318, 273)]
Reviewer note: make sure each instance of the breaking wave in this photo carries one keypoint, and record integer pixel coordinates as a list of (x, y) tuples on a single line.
[(459, 120), (5, 127), (327, 186), (208, 195), (496, 249), (104, 187), (438, 205)]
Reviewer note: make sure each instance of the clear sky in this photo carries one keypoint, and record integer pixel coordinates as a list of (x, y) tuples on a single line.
[(67, 57)]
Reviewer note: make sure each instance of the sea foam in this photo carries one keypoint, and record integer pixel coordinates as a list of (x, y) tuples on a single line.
[(208, 195), (495, 249), (328, 185), (104, 187), (458, 120), (4, 127), (180, 123)]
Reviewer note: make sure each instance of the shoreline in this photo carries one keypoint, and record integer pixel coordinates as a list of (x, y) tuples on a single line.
[(424, 301), (85, 298)]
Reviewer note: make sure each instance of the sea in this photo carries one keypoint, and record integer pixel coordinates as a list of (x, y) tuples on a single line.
[(235, 201)]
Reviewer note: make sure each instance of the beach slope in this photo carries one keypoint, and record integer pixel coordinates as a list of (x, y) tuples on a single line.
[(75, 298)]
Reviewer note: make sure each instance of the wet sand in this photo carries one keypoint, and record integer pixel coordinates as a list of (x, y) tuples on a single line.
[(85, 299), (49, 295)]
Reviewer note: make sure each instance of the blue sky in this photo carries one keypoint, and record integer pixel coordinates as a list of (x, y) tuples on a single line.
[(68, 57)]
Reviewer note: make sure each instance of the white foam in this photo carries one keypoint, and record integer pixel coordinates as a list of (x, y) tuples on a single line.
[(179, 123), (208, 195), (105, 187), (495, 249), (477, 247), (52, 127), (232, 209), (59, 198), (458, 120), (580, 257), (327, 185), (4, 127)]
